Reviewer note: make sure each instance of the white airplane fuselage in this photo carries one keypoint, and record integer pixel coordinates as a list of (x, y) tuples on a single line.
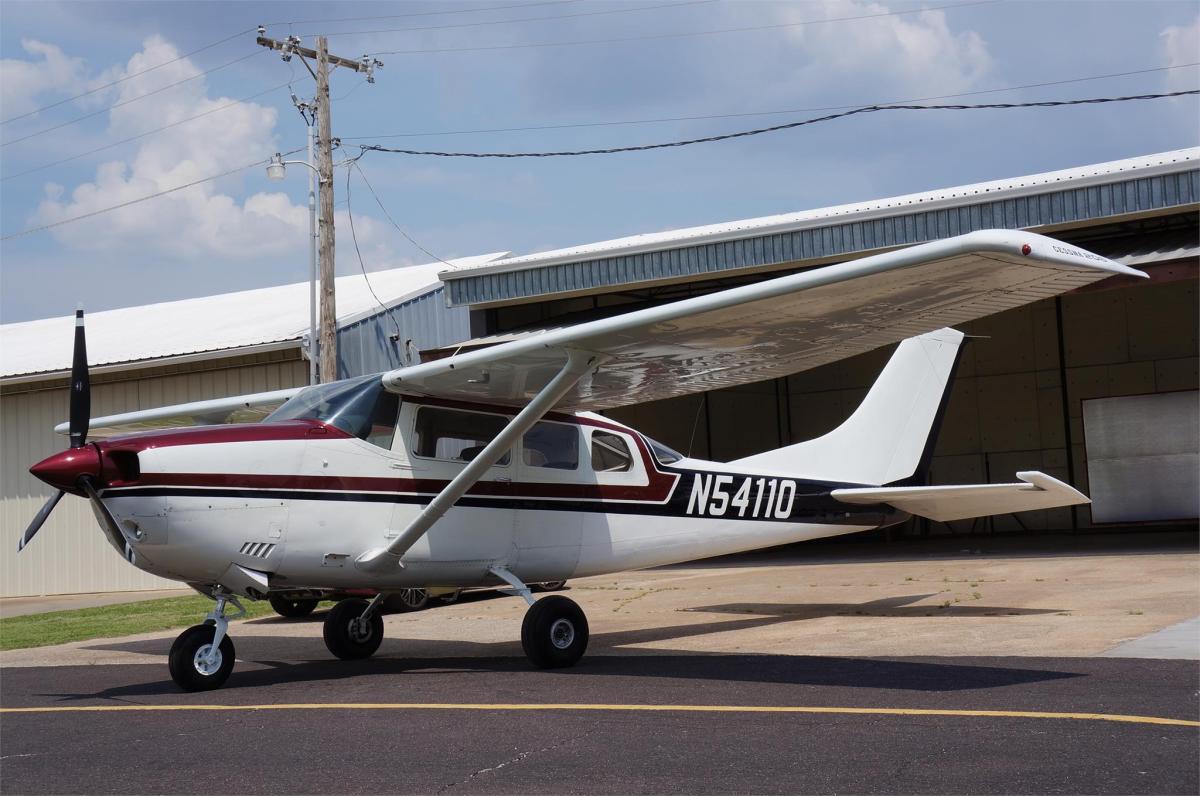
[(299, 500)]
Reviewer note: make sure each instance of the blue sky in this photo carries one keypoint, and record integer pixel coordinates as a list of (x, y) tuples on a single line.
[(243, 231)]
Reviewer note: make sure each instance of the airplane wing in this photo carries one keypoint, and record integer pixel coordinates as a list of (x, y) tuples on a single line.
[(235, 409), (946, 503), (771, 328)]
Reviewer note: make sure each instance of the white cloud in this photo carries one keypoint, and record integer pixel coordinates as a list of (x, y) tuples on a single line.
[(204, 222), (832, 52), (1181, 45), (911, 53), (24, 85), (196, 221)]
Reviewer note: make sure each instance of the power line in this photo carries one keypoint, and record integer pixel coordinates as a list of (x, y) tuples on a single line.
[(774, 128), (208, 112), (520, 19), (141, 199), (130, 100), (422, 13), (767, 113), (657, 36), (130, 76), (354, 163), (361, 266)]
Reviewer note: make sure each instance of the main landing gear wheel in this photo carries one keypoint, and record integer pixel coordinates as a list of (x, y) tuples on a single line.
[(194, 666), (554, 634), (348, 635), (292, 609)]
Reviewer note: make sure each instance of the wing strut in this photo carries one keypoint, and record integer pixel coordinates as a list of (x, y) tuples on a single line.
[(381, 559)]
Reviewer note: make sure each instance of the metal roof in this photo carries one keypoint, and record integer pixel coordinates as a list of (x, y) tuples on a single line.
[(228, 324), (1089, 194)]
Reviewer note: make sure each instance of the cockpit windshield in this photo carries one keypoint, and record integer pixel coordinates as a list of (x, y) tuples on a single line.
[(661, 452), (360, 406)]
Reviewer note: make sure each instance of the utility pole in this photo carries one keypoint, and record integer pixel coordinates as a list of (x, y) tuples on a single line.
[(324, 169), (325, 172)]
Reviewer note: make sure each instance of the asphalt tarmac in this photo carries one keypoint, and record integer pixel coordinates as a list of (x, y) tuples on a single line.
[(476, 725)]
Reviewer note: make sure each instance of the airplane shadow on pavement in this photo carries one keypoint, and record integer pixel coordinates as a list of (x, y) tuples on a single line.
[(283, 660)]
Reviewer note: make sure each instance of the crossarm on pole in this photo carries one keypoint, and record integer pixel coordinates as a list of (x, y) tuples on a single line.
[(381, 559)]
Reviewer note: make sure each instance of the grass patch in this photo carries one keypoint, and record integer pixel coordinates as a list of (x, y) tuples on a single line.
[(110, 621)]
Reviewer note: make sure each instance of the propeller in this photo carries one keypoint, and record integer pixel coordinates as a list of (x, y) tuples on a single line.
[(81, 414), (81, 388)]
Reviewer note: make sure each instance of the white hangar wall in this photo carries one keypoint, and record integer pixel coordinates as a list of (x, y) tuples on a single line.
[(70, 554)]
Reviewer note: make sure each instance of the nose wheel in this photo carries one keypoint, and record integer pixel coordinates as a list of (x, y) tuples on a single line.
[(202, 656)]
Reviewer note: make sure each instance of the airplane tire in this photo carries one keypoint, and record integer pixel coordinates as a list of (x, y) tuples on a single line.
[(187, 668), (554, 634), (346, 637), (292, 609), (407, 600)]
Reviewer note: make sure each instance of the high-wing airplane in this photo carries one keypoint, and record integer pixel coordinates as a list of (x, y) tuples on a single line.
[(491, 467)]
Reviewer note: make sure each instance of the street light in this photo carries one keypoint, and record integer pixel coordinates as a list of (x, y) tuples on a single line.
[(276, 171)]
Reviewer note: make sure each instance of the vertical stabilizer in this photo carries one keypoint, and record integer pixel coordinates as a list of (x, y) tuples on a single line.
[(890, 436)]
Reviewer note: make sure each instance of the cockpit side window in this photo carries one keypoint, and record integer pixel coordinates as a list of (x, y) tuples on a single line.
[(381, 430), (455, 435)]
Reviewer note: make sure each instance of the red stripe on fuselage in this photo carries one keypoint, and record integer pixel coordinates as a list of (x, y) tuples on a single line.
[(658, 490)]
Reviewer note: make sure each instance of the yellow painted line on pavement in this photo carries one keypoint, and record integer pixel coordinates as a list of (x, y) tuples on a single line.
[(567, 706)]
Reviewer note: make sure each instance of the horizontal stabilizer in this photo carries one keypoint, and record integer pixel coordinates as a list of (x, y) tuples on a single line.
[(945, 503)]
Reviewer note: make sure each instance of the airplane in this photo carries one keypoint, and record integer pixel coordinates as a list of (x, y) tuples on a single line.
[(492, 466)]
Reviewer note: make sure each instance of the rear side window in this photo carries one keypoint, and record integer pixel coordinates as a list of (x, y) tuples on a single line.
[(455, 435), (610, 454), (552, 445)]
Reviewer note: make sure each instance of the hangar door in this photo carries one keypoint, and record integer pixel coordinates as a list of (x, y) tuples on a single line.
[(1143, 454)]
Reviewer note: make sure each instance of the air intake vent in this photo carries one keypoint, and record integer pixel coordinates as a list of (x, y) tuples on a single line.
[(257, 549)]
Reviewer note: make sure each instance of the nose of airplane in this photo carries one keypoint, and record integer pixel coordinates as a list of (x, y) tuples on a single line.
[(63, 470)]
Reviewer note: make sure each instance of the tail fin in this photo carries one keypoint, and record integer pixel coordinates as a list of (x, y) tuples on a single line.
[(889, 439)]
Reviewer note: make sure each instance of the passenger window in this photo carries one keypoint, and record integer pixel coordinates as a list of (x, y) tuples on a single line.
[(610, 454), (455, 435), (552, 445)]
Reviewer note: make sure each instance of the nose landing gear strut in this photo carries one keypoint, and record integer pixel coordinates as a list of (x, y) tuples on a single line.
[(201, 658)]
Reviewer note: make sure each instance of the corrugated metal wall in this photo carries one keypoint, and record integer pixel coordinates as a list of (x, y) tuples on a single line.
[(366, 346), (70, 554), (838, 239)]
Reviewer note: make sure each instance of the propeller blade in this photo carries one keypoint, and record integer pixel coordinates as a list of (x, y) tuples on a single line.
[(81, 389), (108, 523), (40, 518)]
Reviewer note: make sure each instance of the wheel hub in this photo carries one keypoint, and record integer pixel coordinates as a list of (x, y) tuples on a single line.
[(360, 631), (205, 665), (562, 633)]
